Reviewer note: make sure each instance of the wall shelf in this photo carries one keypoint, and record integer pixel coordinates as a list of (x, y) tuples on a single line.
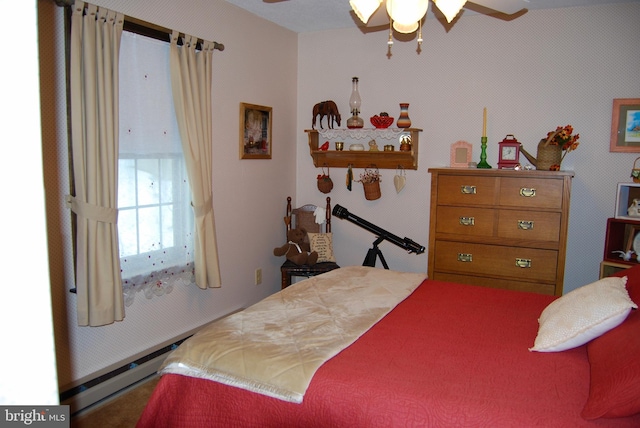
[(366, 158)]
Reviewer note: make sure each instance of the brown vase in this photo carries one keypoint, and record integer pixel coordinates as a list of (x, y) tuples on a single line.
[(404, 121)]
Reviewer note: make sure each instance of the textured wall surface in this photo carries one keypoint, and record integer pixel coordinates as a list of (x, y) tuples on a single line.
[(545, 69)]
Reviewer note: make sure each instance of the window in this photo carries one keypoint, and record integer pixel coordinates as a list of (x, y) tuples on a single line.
[(155, 219)]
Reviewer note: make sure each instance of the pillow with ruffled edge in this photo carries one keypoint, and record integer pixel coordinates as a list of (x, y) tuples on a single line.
[(614, 389), (582, 315), (322, 243)]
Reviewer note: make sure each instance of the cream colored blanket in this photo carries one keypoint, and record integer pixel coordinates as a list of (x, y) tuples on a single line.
[(275, 346)]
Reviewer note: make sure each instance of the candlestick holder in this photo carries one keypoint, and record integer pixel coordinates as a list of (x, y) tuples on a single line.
[(483, 154)]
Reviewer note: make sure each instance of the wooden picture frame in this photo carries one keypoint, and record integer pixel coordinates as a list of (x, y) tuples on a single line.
[(255, 131), (625, 125), (461, 154)]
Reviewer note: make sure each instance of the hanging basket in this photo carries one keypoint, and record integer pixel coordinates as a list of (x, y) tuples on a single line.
[(325, 184), (371, 183), (372, 191), (635, 172)]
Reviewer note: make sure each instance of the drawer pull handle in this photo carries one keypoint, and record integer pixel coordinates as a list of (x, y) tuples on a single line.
[(525, 224), (467, 221), (468, 190), (523, 263), (527, 192), (465, 257)]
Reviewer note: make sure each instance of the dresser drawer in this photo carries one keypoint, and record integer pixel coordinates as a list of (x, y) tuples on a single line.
[(530, 225), (509, 284), (495, 260), (466, 190), (531, 193), (465, 220)]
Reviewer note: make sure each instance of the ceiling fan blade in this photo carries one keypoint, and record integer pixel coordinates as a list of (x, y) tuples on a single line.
[(504, 16)]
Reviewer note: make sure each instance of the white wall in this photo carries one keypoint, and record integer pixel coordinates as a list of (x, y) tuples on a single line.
[(258, 66), (545, 69), (27, 327)]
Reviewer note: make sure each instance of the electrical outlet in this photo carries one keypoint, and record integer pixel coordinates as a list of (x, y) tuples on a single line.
[(258, 276)]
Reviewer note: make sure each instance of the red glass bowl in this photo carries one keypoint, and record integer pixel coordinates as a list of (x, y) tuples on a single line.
[(381, 121)]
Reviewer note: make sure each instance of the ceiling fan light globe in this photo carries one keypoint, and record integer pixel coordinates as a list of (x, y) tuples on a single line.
[(405, 29), (407, 12), (364, 8), (450, 8)]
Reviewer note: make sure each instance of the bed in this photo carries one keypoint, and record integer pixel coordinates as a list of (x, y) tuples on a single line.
[(444, 355)]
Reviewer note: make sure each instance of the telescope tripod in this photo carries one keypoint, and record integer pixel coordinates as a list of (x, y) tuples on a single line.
[(373, 254)]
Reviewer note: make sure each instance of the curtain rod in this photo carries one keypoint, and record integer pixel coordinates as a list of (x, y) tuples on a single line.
[(145, 28)]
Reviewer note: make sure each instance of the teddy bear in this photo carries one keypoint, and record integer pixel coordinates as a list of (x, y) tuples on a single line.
[(297, 249)]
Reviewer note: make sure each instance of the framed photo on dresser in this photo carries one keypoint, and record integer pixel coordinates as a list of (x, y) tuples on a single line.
[(461, 152)]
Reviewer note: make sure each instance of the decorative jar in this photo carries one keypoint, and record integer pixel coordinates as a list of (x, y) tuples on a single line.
[(404, 121)]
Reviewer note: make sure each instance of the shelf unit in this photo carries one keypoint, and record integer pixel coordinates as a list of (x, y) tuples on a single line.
[(619, 237), (610, 268), (363, 159)]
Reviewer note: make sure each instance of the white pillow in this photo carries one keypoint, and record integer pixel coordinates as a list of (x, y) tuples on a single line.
[(322, 243), (583, 314)]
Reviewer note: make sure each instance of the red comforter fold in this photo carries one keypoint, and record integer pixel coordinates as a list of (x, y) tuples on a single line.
[(449, 355)]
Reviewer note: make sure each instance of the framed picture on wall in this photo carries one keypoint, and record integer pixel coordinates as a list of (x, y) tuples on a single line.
[(255, 131), (625, 125)]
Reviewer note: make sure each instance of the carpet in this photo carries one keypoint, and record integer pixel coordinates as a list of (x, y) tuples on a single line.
[(121, 411)]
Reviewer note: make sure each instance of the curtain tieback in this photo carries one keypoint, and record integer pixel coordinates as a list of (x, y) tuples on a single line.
[(92, 212), (204, 209)]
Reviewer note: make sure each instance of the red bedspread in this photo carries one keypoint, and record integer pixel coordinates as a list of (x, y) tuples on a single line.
[(449, 355)]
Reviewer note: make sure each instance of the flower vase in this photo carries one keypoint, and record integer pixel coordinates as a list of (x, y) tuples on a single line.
[(404, 121)]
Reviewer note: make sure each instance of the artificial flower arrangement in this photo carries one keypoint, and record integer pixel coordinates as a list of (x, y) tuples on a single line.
[(370, 176), (635, 172), (371, 183), (563, 137)]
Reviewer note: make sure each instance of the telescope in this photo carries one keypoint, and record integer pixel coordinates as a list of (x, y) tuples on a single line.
[(374, 252)]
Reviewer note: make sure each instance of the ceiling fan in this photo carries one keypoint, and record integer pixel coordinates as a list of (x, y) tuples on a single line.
[(506, 10)]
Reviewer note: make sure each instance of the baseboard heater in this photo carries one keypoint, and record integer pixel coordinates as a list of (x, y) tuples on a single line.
[(88, 393)]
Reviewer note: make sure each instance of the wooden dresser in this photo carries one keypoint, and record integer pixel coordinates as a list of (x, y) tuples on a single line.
[(499, 228)]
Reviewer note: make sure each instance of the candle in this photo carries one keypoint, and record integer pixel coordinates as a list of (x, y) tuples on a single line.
[(484, 122)]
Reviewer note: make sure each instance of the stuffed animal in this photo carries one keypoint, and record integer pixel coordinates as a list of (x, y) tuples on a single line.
[(634, 209), (296, 249)]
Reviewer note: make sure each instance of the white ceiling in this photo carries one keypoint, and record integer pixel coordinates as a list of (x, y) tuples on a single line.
[(317, 15)]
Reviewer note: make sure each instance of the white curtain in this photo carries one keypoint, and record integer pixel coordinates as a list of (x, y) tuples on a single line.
[(95, 46), (155, 218), (191, 85)]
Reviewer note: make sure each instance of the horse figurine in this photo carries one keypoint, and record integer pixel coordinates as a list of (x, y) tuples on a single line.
[(326, 108)]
